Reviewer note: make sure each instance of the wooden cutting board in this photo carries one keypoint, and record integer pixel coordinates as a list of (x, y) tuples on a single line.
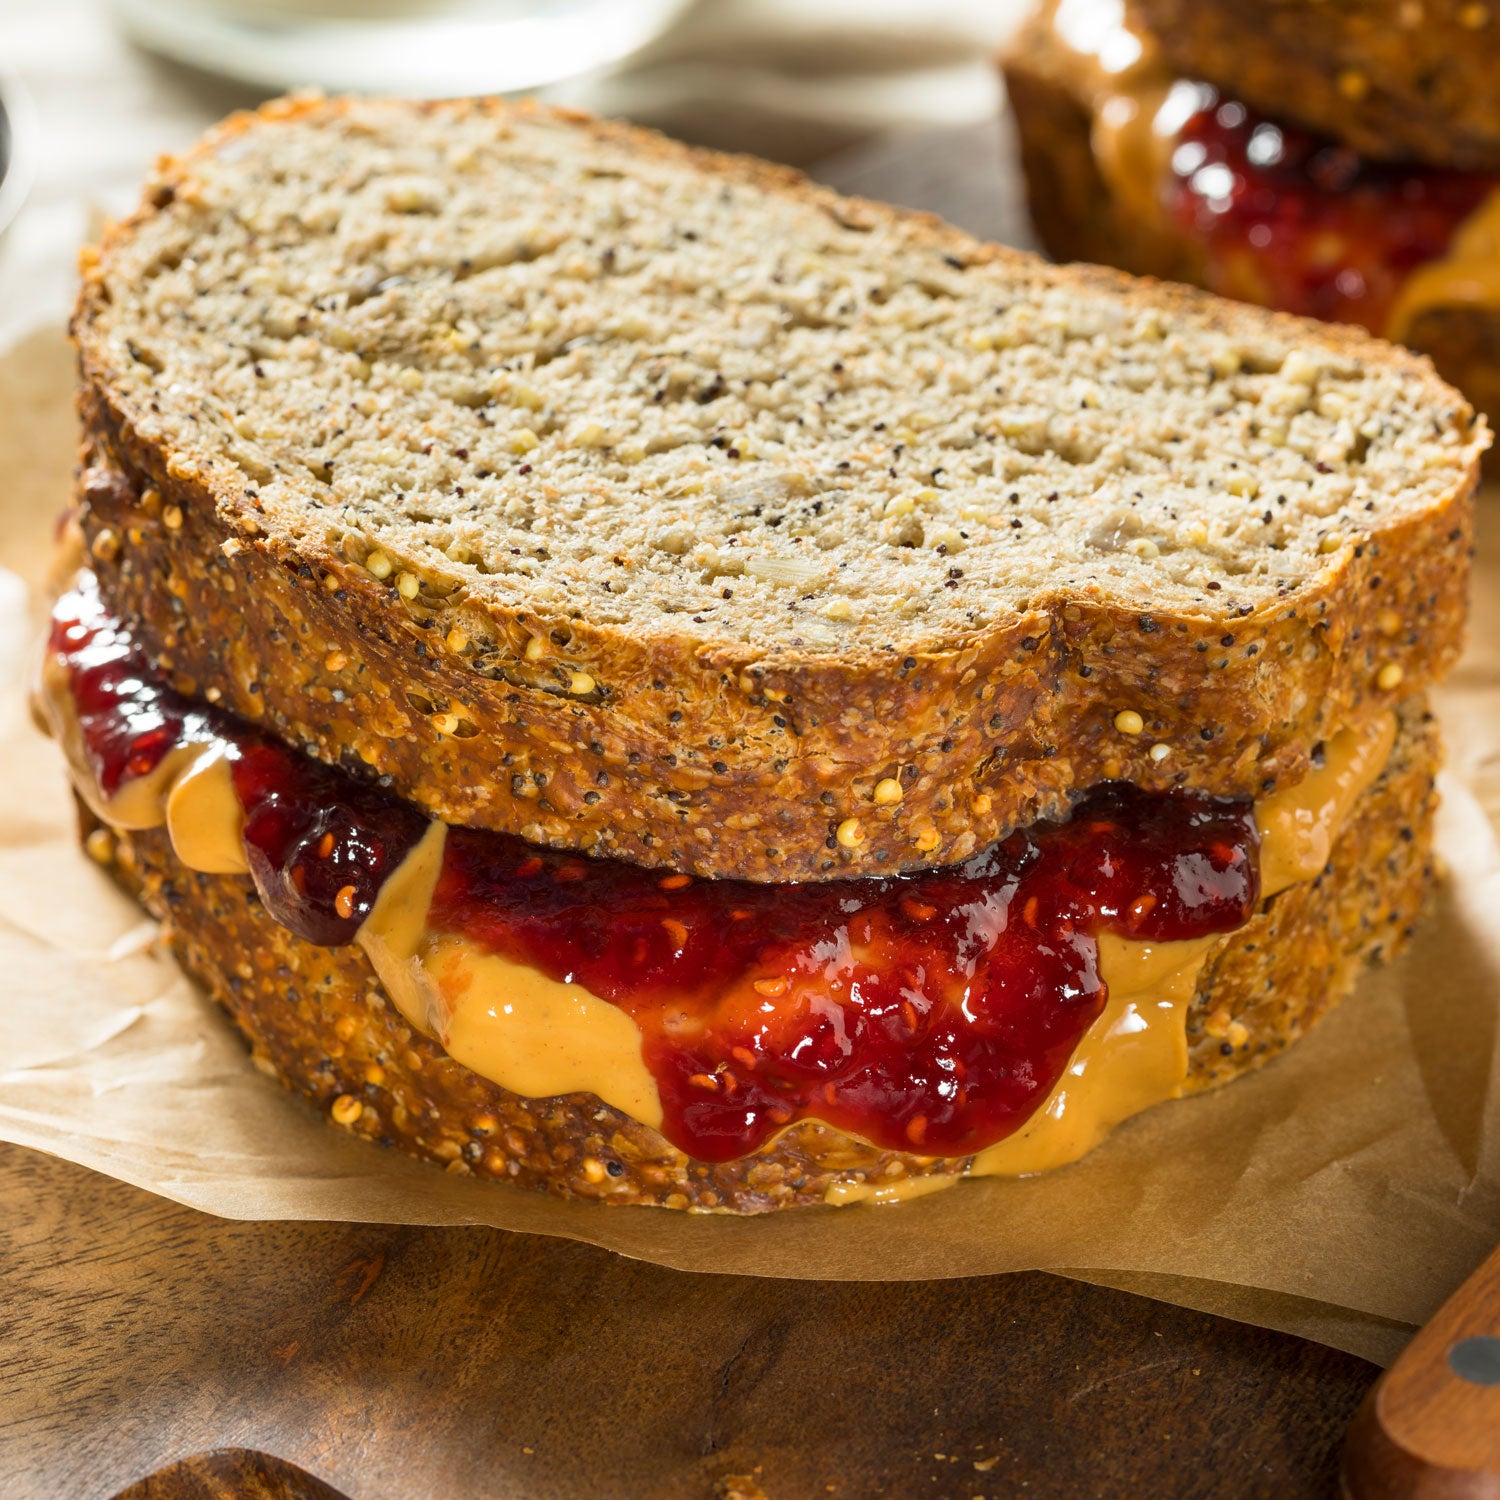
[(440, 1364)]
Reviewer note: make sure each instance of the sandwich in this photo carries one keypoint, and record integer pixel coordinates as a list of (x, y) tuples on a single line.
[(625, 672), (1333, 160)]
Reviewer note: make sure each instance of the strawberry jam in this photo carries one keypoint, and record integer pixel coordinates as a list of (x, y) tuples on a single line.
[(1296, 221), (930, 1012)]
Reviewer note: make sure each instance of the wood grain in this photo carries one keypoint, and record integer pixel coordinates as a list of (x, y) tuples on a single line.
[(230, 1474), (1431, 1429), (445, 1363)]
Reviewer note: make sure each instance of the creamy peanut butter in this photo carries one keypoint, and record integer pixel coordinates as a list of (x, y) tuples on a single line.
[(539, 1037), (1467, 276), (1118, 70)]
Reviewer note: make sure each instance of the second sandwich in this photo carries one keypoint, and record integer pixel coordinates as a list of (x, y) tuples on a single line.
[(1339, 161)]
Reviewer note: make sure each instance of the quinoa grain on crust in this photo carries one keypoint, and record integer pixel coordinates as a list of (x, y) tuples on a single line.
[(674, 506), (317, 1019)]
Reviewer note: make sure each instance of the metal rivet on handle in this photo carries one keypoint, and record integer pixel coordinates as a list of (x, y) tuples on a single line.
[(1476, 1359)]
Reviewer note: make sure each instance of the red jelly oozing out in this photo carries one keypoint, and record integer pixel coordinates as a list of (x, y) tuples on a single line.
[(930, 1012), (127, 720), (1294, 220), (319, 843)]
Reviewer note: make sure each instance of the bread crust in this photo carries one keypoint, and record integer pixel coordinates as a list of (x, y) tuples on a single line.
[(1393, 80), (316, 1019), (1079, 217)]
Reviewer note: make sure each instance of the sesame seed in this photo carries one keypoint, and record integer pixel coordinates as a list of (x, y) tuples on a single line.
[(1331, 543), (1159, 751), (171, 518), (407, 585), (1128, 721), (536, 648), (581, 682), (887, 791)]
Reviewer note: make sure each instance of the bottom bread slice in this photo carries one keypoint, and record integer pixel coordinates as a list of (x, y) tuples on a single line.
[(317, 1019)]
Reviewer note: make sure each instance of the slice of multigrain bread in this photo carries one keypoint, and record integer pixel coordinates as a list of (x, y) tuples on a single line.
[(658, 503)]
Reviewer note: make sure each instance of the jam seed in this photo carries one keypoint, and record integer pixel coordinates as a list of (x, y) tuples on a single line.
[(530, 866), (675, 882), (343, 903), (744, 1057), (325, 846), (770, 988), (916, 1129), (704, 1081), (918, 911), (676, 931)]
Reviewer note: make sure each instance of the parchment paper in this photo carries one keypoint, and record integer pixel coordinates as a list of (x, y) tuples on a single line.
[(1342, 1192)]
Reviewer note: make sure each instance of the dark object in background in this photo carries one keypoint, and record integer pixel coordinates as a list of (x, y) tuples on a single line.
[(17, 139)]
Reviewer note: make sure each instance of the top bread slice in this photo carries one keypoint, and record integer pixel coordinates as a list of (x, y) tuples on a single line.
[(662, 504), (1403, 80)]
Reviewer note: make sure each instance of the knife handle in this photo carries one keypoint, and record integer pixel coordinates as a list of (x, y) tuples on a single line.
[(1430, 1428)]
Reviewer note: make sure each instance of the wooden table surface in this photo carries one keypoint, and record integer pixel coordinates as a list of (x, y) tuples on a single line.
[(398, 1364)]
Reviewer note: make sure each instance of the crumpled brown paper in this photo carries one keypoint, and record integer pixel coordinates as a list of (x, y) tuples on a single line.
[(1342, 1192)]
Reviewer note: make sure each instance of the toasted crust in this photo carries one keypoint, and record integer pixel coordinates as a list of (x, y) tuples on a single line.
[(712, 757), (317, 1019), (1079, 217), (1392, 79)]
